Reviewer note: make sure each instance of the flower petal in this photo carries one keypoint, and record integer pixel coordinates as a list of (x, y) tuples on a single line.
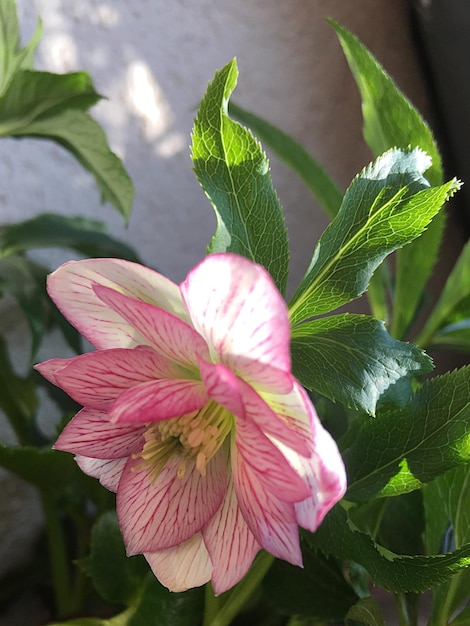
[(290, 426), (167, 333), (91, 434), (183, 567), (96, 379), (271, 520), (71, 288), (222, 386), (108, 472), (230, 543), (158, 400), (235, 305), (268, 463), (162, 512), (49, 369)]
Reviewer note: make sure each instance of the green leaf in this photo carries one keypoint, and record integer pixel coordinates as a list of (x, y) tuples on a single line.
[(12, 57), (296, 157), (447, 501), (448, 309), (404, 448), (352, 359), (339, 537), (366, 612), (390, 120), (18, 399), (59, 231), (386, 206), (234, 173), (76, 131), (319, 590), (117, 577)]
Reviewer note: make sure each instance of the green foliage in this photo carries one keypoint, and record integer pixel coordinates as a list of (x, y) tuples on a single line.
[(366, 612), (234, 173), (352, 359)]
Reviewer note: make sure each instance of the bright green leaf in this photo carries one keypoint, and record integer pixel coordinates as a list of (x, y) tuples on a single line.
[(50, 230), (404, 448), (390, 120), (366, 612), (352, 359), (339, 537), (76, 131), (386, 206), (296, 157), (234, 173)]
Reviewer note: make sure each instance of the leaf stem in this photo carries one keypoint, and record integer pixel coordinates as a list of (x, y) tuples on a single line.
[(406, 609)]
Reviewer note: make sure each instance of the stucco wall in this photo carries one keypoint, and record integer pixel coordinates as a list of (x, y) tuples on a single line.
[(153, 60)]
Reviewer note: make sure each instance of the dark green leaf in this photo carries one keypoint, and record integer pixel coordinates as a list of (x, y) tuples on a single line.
[(319, 590), (234, 173), (338, 536), (386, 206), (366, 612), (352, 359), (296, 157), (404, 512), (59, 231), (404, 448)]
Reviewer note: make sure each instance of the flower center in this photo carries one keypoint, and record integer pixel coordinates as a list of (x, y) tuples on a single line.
[(193, 437)]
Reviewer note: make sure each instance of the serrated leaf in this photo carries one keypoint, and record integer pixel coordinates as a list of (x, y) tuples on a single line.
[(33, 95), (386, 206), (405, 448), (12, 57), (234, 173), (296, 157), (338, 536), (76, 131), (50, 230), (318, 590), (366, 612), (117, 577), (352, 359), (390, 120), (448, 309)]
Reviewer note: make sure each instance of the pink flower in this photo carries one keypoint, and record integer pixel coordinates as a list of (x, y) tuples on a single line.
[(192, 416)]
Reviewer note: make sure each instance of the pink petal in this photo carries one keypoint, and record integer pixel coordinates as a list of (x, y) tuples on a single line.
[(231, 545), (268, 464), (107, 471), (271, 520), (162, 512), (49, 368), (235, 305), (158, 400), (222, 386), (183, 567), (71, 288), (91, 434), (167, 333), (290, 426), (326, 476), (96, 379)]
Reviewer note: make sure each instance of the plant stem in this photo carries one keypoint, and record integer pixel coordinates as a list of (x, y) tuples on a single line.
[(238, 595), (406, 612), (57, 555)]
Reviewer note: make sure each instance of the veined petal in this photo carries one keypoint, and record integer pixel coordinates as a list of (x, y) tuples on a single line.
[(91, 434), (108, 471), (291, 425), (271, 520), (165, 332), (235, 305), (230, 543), (96, 379), (71, 288), (158, 400), (161, 512), (222, 386), (183, 567), (268, 464), (49, 368)]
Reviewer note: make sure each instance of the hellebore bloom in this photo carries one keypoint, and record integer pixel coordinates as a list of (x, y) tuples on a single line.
[(192, 415)]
